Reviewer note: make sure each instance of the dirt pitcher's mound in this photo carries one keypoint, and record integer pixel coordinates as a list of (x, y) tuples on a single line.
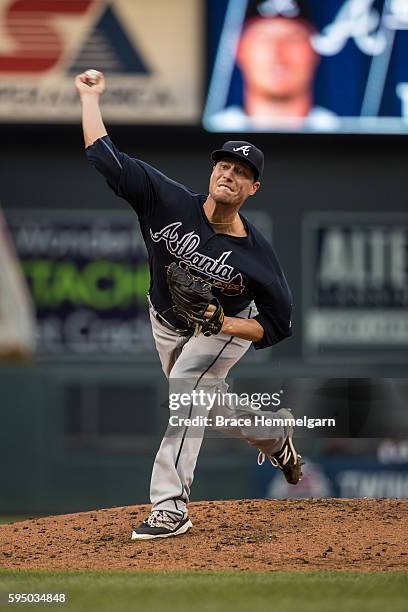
[(308, 534)]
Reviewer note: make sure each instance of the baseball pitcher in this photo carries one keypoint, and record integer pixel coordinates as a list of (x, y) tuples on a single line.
[(216, 288)]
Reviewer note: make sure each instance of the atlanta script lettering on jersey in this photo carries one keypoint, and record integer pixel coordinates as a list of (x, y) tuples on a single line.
[(185, 248)]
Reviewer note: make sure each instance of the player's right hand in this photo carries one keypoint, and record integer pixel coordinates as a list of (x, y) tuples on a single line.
[(90, 86)]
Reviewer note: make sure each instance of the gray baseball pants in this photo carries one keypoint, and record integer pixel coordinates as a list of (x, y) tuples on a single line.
[(199, 363)]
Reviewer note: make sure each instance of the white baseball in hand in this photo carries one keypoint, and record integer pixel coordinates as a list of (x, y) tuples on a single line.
[(92, 76)]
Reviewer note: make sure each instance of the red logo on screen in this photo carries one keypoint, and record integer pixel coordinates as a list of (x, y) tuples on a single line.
[(36, 43)]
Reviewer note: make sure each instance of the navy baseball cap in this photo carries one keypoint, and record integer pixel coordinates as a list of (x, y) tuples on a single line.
[(291, 9), (244, 152)]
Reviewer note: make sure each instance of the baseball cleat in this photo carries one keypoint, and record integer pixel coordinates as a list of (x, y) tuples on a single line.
[(287, 460), (160, 524)]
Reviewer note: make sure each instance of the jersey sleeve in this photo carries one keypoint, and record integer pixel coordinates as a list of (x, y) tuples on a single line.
[(274, 304), (131, 179)]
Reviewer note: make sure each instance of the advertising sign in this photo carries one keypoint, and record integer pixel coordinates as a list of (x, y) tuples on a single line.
[(355, 286), (88, 275), (150, 53), (341, 477)]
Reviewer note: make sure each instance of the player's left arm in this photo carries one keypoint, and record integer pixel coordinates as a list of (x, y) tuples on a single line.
[(247, 329), (274, 303), (273, 321)]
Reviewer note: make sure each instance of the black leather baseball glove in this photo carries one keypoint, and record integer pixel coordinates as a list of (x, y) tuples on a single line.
[(191, 297)]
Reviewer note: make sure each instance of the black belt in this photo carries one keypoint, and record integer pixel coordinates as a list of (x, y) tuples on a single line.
[(181, 332), (162, 321), (167, 325)]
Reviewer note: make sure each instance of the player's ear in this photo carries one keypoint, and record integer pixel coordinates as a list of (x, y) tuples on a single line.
[(255, 186)]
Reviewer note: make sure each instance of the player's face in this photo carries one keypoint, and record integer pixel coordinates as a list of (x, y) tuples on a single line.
[(232, 182), (276, 57)]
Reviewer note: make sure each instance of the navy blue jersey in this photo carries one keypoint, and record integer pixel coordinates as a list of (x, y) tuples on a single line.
[(175, 228)]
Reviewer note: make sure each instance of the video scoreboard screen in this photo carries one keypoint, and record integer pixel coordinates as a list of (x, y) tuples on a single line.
[(308, 66)]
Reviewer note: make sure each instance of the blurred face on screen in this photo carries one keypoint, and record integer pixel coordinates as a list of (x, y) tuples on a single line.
[(276, 57)]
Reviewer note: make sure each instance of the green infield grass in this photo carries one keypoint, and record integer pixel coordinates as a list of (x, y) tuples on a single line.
[(211, 591)]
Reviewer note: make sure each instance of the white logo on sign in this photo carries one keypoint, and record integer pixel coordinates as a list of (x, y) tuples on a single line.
[(356, 19), (373, 259), (244, 149), (397, 18), (271, 8), (359, 20)]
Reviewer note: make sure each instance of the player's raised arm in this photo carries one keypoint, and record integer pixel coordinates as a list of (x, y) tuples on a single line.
[(90, 86), (134, 180)]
